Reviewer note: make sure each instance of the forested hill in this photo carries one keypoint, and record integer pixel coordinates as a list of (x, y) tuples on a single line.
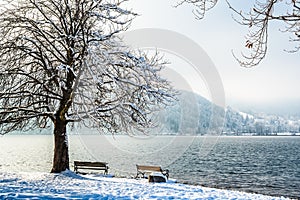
[(194, 114)]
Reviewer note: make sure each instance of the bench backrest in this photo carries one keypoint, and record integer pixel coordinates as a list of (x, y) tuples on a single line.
[(90, 164), (148, 168)]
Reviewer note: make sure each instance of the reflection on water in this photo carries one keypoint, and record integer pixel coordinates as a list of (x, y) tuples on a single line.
[(267, 165)]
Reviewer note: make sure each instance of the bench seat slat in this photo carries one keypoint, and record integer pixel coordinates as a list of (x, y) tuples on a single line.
[(95, 168)]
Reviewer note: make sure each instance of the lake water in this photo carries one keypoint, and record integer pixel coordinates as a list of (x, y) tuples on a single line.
[(265, 165)]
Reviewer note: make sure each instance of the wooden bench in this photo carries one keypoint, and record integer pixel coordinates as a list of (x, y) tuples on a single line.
[(90, 166), (146, 169)]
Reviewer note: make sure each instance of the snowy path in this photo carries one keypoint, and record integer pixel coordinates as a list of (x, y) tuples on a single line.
[(71, 186)]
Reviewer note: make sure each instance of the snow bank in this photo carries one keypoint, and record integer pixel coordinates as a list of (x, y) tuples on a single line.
[(72, 186)]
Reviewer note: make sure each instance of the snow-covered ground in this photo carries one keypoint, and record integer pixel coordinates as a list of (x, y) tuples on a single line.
[(68, 185)]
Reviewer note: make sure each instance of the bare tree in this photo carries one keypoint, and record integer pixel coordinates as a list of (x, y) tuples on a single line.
[(258, 21), (61, 63)]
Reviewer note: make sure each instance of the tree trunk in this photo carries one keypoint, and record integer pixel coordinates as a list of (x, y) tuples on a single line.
[(61, 149)]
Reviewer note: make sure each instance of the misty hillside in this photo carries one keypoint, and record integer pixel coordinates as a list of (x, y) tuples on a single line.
[(194, 114)]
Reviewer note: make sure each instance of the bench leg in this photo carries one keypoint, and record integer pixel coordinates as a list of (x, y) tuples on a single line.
[(138, 175)]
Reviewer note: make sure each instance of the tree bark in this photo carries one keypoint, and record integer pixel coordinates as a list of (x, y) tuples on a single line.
[(61, 149)]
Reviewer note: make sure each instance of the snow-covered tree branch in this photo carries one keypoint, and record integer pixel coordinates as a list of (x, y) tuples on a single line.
[(257, 20)]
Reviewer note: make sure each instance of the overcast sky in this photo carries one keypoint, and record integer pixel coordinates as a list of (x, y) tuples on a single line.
[(275, 80)]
